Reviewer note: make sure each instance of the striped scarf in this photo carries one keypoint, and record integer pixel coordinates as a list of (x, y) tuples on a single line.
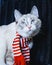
[(21, 52)]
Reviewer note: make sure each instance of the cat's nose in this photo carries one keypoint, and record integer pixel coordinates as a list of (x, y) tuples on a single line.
[(29, 27)]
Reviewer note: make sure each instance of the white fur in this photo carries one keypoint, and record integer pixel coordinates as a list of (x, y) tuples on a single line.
[(17, 14), (22, 28), (34, 11), (6, 40), (6, 37), (8, 33), (2, 48)]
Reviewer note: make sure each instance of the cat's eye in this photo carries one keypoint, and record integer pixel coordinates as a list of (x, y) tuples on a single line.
[(23, 22), (32, 21), (23, 19)]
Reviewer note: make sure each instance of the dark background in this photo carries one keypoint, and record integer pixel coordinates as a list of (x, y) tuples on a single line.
[(41, 53)]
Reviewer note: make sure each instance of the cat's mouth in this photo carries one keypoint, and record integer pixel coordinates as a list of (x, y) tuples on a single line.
[(29, 31)]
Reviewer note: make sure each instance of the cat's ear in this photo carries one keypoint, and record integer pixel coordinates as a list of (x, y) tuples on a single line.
[(34, 11), (17, 15)]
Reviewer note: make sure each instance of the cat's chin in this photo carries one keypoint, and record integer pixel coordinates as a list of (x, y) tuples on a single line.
[(24, 35), (27, 36)]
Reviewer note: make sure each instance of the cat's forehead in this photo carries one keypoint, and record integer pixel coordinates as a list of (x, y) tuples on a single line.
[(25, 16), (29, 16)]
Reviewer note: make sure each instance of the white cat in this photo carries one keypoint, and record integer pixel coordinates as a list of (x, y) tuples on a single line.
[(27, 25)]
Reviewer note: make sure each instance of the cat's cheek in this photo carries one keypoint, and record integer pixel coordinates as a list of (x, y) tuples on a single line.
[(19, 27), (33, 28)]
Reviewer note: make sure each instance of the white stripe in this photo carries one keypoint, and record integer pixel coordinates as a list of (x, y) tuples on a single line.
[(17, 51), (17, 54), (27, 57), (27, 60), (25, 48), (26, 51), (16, 39), (26, 54), (16, 48), (21, 42), (26, 39), (16, 45), (24, 45), (24, 42), (15, 42)]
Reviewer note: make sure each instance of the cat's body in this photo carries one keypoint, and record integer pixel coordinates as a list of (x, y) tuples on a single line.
[(7, 35), (27, 25)]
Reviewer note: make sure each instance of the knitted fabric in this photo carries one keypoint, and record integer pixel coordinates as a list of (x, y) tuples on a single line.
[(21, 52)]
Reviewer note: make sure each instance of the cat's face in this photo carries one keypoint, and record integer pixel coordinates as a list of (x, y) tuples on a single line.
[(27, 25)]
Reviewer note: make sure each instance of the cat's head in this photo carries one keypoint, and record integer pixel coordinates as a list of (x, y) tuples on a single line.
[(28, 24)]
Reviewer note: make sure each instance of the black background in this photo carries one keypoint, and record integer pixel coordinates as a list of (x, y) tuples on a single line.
[(41, 51)]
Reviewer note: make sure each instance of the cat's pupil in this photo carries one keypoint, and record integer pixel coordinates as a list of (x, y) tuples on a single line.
[(23, 22), (32, 21)]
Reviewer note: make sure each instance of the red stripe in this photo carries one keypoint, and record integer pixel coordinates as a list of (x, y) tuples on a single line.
[(22, 42), (15, 44), (17, 34), (16, 50), (16, 41), (27, 60), (24, 49), (16, 47), (16, 38)]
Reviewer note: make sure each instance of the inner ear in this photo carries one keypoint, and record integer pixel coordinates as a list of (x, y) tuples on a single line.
[(34, 11), (17, 15)]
